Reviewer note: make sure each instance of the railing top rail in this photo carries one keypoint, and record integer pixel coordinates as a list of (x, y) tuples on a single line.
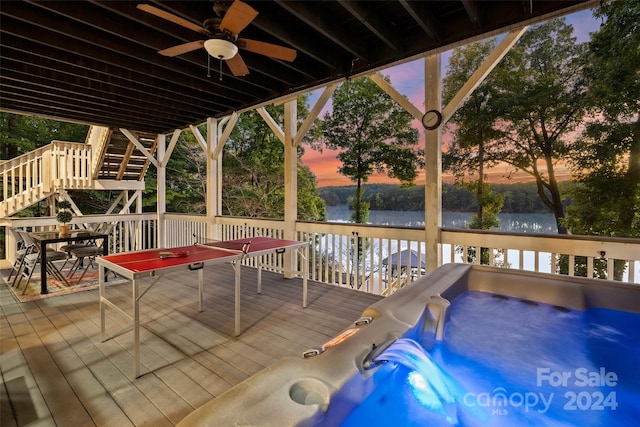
[(6, 165), (58, 142), (17, 161), (351, 224), (541, 236), (83, 219)]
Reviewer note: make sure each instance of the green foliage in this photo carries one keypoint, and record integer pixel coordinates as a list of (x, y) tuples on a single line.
[(607, 200), (474, 127), (360, 208), (540, 103), (474, 124), (518, 197), (186, 176), (311, 207), (373, 134), (64, 214), (521, 115), (601, 206), (20, 134), (253, 170), (490, 205), (614, 60)]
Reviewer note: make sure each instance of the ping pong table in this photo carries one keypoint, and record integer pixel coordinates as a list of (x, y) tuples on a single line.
[(148, 266)]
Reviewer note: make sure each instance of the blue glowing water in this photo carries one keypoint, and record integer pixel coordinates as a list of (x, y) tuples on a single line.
[(508, 362)]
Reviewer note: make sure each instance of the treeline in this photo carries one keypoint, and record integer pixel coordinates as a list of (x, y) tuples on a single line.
[(518, 197)]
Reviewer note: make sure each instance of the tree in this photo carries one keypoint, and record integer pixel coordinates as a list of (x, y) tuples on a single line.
[(540, 91), (606, 200), (474, 127), (253, 170), (20, 134), (373, 134), (491, 206), (187, 176)]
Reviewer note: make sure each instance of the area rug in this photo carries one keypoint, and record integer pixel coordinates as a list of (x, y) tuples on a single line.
[(56, 287)]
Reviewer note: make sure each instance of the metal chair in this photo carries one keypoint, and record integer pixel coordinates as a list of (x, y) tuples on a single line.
[(32, 258), (79, 244), (88, 252), (21, 251)]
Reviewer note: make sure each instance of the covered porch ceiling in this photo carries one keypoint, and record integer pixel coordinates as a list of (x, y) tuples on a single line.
[(97, 62)]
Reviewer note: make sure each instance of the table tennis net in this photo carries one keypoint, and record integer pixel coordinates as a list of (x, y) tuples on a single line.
[(235, 246)]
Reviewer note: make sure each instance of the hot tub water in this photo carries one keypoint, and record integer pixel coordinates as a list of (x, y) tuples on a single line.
[(511, 362)]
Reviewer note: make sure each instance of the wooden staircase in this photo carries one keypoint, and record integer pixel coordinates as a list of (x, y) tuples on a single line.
[(122, 159), (107, 160)]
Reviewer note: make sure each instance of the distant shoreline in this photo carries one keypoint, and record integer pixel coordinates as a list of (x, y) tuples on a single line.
[(518, 197), (510, 222)]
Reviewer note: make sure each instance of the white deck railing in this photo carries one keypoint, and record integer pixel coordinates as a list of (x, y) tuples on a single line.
[(334, 256), (127, 232)]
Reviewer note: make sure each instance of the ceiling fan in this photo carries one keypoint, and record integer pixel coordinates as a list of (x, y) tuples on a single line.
[(223, 42)]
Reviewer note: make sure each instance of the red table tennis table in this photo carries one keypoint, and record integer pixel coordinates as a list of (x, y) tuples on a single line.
[(149, 266)]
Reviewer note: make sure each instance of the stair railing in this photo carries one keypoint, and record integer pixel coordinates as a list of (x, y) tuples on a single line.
[(36, 175)]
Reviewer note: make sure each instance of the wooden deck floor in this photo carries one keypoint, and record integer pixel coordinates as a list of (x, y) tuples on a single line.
[(57, 372)]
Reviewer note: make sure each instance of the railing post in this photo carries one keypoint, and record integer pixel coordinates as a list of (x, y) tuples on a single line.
[(45, 173)]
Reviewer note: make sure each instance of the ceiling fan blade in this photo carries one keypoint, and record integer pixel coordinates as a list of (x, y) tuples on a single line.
[(172, 18), (182, 48), (237, 66), (268, 49), (237, 17)]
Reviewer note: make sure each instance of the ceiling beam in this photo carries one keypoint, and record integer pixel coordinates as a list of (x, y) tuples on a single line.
[(323, 22), (374, 23), (473, 10), (420, 11)]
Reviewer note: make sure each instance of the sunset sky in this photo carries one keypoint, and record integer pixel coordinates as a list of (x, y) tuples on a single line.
[(408, 79)]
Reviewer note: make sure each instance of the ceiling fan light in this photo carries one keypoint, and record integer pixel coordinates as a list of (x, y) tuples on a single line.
[(220, 49)]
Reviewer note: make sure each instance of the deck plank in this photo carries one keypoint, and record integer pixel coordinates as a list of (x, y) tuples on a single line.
[(56, 370)]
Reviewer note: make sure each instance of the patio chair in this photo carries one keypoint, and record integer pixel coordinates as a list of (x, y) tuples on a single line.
[(32, 258), (21, 251), (77, 245), (87, 253)]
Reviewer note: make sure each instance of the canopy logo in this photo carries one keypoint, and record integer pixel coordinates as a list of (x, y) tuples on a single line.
[(586, 390)]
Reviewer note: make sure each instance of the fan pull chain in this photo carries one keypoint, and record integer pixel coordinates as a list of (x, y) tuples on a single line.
[(208, 65), (220, 69)]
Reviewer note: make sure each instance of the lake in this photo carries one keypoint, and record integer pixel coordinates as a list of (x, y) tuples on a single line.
[(515, 222)]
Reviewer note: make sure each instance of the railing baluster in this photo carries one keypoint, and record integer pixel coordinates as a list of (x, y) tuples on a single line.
[(333, 251)]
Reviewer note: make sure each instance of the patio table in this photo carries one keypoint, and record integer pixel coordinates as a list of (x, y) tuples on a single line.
[(43, 238)]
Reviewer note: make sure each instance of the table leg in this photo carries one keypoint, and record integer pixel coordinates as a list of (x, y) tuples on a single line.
[(305, 274), (43, 270), (200, 287), (136, 327), (237, 296), (102, 297)]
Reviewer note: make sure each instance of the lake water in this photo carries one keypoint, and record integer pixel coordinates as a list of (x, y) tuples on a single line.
[(515, 222)]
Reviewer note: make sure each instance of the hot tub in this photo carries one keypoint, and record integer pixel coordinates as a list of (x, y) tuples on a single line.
[(465, 345)]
